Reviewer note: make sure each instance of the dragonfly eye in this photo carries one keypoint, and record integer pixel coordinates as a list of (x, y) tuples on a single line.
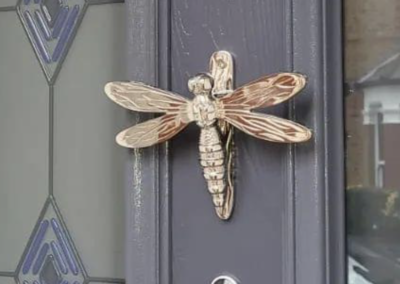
[(201, 84)]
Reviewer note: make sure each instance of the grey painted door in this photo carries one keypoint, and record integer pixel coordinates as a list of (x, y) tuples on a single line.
[(287, 225), (61, 193)]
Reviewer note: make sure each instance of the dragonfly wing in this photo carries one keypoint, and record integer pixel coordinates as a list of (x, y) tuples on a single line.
[(144, 98), (151, 132), (268, 127), (266, 91)]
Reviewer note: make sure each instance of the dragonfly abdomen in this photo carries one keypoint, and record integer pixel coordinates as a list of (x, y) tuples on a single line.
[(212, 160)]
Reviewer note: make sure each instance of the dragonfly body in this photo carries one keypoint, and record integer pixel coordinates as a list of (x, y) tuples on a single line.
[(212, 158)]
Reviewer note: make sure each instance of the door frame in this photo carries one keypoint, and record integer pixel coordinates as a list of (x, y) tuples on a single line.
[(316, 253)]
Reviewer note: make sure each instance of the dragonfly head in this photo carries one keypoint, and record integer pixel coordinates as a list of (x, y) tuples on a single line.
[(201, 84)]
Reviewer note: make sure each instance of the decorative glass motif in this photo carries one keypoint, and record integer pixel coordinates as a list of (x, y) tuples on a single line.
[(50, 257), (51, 25)]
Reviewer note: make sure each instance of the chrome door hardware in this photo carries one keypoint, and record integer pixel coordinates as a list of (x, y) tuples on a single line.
[(215, 108), (224, 280)]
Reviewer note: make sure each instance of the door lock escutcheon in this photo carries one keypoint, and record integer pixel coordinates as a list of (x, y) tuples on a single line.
[(215, 108), (224, 280)]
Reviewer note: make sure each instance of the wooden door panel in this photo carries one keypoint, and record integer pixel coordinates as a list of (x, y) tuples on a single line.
[(202, 245)]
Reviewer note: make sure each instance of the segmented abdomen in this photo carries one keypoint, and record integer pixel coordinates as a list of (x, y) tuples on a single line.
[(212, 161)]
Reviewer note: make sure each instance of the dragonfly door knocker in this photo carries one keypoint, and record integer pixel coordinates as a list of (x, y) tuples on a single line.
[(215, 108)]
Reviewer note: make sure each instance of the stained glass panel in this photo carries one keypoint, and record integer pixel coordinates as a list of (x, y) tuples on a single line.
[(43, 153)]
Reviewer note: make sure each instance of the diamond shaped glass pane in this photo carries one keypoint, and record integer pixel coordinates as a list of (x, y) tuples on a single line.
[(50, 257), (51, 25)]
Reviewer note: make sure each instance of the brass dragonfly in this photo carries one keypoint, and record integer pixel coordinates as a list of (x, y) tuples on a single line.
[(208, 110)]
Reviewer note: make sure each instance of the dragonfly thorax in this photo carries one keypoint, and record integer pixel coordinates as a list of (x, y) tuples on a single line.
[(204, 110)]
